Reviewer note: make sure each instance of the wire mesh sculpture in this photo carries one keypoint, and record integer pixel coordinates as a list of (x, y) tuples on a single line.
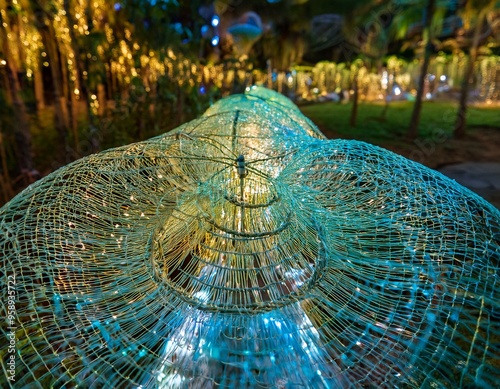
[(245, 250)]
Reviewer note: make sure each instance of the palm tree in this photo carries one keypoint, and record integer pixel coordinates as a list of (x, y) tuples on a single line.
[(284, 42), (370, 41), (475, 15)]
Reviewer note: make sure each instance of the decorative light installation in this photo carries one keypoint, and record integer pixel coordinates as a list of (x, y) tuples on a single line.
[(246, 31), (245, 250)]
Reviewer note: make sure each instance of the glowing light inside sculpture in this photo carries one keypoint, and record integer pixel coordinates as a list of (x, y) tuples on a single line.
[(245, 250)]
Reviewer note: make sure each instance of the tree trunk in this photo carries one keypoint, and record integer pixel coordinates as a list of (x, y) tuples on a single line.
[(180, 105), (81, 67), (22, 125), (74, 103), (70, 108), (417, 107), (114, 81), (6, 85), (60, 109), (459, 130), (102, 100), (21, 31), (355, 101), (65, 89), (5, 181), (62, 122), (39, 91)]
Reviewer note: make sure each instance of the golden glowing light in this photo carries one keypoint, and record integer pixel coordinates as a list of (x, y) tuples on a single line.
[(125, 57)]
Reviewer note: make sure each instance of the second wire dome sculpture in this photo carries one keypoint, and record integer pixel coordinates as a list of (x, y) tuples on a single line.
[(244, 250)]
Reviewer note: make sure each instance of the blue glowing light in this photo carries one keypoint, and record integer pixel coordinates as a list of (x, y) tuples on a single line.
[(215, 41), (178, 28), (215, 21), (117, 6)]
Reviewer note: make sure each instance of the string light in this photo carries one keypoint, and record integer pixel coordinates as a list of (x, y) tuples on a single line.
[(125, 58)]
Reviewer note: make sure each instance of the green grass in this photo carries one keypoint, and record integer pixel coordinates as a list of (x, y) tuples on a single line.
[(333, 119)]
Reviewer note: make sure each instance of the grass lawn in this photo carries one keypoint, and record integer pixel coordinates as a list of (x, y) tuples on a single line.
[(333, 120)]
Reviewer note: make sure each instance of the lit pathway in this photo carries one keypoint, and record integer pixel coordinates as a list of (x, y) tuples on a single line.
[(481, 177)]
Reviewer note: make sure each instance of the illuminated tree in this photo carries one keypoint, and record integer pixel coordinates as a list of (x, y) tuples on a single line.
[(427, 37), (14, 96), (365, 30), (45, 13), (475, 15)]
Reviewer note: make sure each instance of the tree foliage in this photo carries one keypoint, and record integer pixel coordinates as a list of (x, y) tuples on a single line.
[(79, 75)]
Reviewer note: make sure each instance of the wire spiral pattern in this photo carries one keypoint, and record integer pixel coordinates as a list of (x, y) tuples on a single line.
[(245, 250)]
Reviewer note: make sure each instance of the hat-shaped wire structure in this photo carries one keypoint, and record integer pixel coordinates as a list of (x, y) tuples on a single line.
[(245, 250)]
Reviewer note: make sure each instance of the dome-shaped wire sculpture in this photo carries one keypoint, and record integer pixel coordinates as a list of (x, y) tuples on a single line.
[(245, 250)]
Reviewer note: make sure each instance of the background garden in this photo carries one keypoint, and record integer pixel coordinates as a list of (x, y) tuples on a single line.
[(420, 77)]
